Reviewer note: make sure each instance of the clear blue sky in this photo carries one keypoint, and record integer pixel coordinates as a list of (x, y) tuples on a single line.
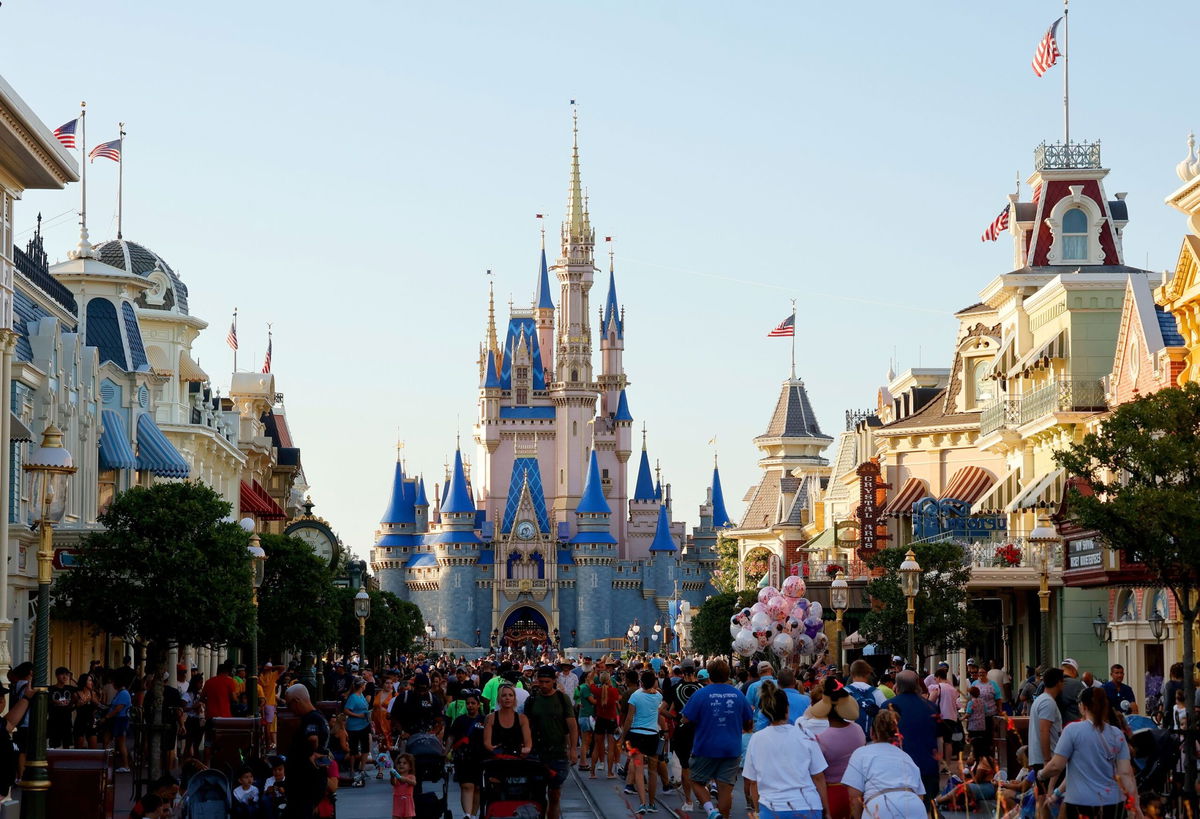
[(348, 171)]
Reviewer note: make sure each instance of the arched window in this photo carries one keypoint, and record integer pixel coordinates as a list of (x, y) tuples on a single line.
[(983, 387), (1075, 235)]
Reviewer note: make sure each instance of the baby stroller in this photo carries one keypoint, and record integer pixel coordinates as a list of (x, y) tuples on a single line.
[(208, 796), (1155, 753), (513, 788), (430, 759)]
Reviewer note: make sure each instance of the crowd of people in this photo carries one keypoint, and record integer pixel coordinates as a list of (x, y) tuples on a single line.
[(802, 742)]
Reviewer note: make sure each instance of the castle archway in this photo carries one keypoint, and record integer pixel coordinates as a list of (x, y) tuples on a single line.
[(524, 625)]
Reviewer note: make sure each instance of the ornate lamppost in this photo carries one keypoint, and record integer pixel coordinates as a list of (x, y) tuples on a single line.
[(910, 582), (362, 610), (839, 598), (1043, 538), (49, 467), (258, 564)]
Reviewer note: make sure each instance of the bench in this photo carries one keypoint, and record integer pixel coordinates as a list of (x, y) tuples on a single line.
[(81, 783)]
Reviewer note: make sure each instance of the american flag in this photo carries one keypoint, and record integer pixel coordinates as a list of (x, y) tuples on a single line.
[(231, 338), (786, 328), (998, 225), (1047, 51), (108, 150), (267, 361), (65, 133)]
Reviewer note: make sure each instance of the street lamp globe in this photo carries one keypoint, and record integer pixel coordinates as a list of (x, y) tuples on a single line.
[(1100, 626), (657, 628), (247, 524), (910, 575), (49, 466), (839, 594), (635, 628), (362, 604), (258, 561), (1157, 624)]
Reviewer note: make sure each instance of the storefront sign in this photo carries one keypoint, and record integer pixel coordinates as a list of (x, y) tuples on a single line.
[(1087, 553)]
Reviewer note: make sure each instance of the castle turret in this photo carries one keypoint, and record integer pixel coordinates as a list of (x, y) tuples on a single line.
[(543, 314), (457, 549), (421, 507), (595, 550), (720, 518)]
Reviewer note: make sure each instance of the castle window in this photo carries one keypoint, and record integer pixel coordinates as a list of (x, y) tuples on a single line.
[(1074, 235), (574, 375)]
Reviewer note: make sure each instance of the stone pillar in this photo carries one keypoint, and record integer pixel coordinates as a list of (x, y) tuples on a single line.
[(8, 342)]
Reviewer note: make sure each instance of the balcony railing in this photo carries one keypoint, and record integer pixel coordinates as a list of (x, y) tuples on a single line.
[(1063, 395), (1071, 155), (981, 552), (1004, 413)]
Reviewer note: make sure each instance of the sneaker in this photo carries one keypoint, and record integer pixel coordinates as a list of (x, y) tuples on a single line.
[(714, 814), (687, 807), (622, 770), (641, 809), (653, 808), (629, 789), (122, 770)]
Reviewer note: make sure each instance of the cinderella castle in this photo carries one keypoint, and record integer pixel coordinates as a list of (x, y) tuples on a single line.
[(544, 539)]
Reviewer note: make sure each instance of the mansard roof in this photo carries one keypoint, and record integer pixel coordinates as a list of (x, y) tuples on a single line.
[(794, 416)]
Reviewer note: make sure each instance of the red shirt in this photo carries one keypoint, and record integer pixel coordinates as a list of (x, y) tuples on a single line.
[(218, 696), (607, 711)]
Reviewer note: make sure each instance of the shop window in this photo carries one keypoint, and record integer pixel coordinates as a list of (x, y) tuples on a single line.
[(1074, 235), (107, 484)]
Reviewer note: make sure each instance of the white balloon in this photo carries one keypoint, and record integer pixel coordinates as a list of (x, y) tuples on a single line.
[(814, 610), (760, 621), (745, 643), (804, 644), (734, 628), (782, 644)]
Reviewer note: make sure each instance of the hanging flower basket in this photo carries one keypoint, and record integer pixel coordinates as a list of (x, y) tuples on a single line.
[(1008, 555), (832, 570)]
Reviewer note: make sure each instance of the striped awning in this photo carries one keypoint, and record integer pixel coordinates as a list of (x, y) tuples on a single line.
[(1039, 357), (17, 430), (155, 453), (1044, 493), (158, 361), (189, 370), (256, 501), (968, 484), (901, 503), (1004, 359), (995, 501), (115, 450)]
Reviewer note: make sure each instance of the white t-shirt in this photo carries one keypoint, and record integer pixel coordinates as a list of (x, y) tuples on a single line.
[(522, 695), (813, 725), (247, 796), (880, 767), (783, 762)]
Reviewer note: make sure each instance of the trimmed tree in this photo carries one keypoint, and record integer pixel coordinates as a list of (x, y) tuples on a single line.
[(293, 573), (943, 620), (1143, 468), (392, 626), (710, 624), (725, 575), (168, 568)]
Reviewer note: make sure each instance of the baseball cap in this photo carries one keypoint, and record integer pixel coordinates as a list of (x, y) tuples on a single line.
[(1071, 663), (421, 679), (545, 671), (527, 667), (765, 666), (703, 674), (687, 665), (971, 662)]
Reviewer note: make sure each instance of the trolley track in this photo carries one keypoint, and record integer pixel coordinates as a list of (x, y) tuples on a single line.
[(666, 811)]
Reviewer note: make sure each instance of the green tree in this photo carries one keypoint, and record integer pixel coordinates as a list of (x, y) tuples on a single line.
[(392, 626), (294, 573), (1142, 467), (725, 576), (167, 568), (710, 624), (943, 620)]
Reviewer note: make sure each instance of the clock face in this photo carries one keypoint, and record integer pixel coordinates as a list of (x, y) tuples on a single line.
[(525, 530), (322, 544)]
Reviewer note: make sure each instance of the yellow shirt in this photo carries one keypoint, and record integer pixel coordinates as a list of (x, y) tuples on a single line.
[(267, 680)]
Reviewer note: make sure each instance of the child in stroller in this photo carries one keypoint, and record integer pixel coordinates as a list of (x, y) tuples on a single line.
[(513, 788)]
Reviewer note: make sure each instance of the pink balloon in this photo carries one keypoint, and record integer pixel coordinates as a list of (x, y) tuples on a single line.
[(778, 607), (800, 613), (766, 593), (793, 587)]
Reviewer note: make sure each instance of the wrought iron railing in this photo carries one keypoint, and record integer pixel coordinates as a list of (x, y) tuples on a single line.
[(1068, 155), (1004, 413), (40, 276), (1063, 395), (856, 417)]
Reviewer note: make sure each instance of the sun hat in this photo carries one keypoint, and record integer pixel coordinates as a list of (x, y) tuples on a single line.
[(835, 698)]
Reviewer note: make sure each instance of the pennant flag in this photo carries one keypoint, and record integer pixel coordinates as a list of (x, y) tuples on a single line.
[(998, 226), (231, 338), (65, 133), (786, 328), (108, 150), (267, 362), (1047, 53)]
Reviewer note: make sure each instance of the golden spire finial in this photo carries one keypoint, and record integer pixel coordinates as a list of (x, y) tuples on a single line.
[(492, 343), (643, 436), (576, 230)]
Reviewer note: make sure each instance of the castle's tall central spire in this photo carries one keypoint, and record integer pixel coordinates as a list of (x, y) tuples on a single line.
[(578, 237)]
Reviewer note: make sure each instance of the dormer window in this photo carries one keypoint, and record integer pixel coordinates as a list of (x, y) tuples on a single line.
[(1075, 235)]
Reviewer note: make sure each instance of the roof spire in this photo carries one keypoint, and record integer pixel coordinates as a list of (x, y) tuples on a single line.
[(577, 229), (663, 541), (720, 517), (492, 344), (644, 487), (592, 501), (542, 299), (458, 498)]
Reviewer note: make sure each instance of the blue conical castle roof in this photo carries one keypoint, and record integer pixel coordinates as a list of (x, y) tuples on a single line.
[(541, 298), (458, 498), (612, 310), (400, 509), (644, 488), (623, 409), (491, 376), (421, 499), (593, 502), (663, 542), (719, 516), (658, 495)]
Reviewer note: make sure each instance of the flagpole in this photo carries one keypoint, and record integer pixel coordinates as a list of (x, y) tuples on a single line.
[(234, 339), (793, 339), (83, 162), (121, 188), (1066, 75)]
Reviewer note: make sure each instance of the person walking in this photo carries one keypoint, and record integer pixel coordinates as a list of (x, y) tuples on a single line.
[(882, 780), (604, 735), (307, 781), (838, 742), (555, 733), (721, 713), (944, 695), (1095, 756), (641, 740), (506, 731), (585, 705), (785, 770), (358, 731), (466, 748), (918, 729), (685, 732)]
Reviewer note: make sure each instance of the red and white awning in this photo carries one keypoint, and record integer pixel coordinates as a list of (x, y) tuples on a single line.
[(900, 504), (968, 484)]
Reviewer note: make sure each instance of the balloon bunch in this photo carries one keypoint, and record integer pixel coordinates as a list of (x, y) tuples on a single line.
[(783, 620)]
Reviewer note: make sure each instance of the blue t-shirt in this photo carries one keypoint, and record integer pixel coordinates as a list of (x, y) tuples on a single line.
[(656, 663), (357, 703), (719, 711), (122, 698), (645, 711), (1091, 762), (797, 704), (918, 729)]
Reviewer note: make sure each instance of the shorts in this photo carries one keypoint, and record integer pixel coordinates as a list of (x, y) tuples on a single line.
[(360, 741), (606, 727), (586, 725), (766, 813), (681, 743), (269, 714), (559, 767), (645, 744), (468, 772), (705, 768), (120, 727)]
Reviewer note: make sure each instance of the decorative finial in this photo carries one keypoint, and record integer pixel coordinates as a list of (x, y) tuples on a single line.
[(492, 343), (1189, 168), (399, 448), (542, 227), (84, 249), (643, 436), (611, 251)]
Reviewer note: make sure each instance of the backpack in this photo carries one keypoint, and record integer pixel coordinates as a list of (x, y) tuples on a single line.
[(867, 707)]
